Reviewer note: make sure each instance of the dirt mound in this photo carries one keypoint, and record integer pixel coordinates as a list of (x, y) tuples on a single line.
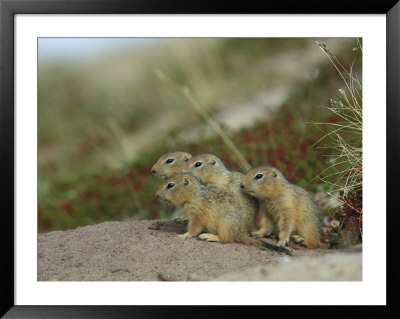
[(139, 251)]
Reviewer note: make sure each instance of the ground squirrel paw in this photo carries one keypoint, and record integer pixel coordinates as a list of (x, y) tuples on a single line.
[(208, 237), (257, 234), (298, 239), (283, 243), (180, 220), (185, 235)]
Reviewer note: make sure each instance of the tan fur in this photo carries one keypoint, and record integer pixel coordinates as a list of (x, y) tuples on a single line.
[(211, 209), (164, 170), (287, 209), (213, 172)]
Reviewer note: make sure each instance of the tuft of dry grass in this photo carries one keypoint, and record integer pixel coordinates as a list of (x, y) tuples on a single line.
[(343, 139)]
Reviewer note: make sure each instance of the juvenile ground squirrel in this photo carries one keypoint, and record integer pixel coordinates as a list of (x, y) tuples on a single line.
[(212, 209), (166, 166), (170, 164), (211, 171), (286, 208)]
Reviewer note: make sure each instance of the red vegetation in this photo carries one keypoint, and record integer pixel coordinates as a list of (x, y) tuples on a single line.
[(350, 216), (67, 207)]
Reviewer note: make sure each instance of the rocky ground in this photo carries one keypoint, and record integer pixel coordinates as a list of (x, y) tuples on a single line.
[(144, 250)]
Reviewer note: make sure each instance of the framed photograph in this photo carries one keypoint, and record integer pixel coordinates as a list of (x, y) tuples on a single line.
[(95, 96)]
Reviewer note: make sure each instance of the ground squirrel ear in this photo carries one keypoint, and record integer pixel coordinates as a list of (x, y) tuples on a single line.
[(213, 162), (185, 158), (274, 173), (186, 182)]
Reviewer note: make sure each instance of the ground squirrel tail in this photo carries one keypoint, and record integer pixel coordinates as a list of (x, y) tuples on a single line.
[(264, 245)]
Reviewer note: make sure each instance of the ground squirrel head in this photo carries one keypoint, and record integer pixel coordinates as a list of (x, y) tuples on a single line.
[(178, 189), (206, 167), (170, 164), (263, 182)]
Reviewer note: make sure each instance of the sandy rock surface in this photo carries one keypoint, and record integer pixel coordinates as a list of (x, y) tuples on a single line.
[(331, 267), (139, 250)]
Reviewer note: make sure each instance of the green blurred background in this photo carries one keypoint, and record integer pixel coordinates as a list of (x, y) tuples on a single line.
[(108, 108)]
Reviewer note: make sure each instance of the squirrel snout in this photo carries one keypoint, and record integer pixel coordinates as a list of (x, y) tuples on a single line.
[(153, 171)]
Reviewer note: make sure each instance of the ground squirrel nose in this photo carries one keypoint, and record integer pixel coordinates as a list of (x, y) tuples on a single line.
[(153, 171), (241, 186)]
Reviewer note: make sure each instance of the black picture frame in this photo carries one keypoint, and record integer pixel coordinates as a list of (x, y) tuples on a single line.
[(8, 10)]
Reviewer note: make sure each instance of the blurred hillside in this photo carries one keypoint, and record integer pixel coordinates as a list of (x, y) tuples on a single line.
[(104, 121)]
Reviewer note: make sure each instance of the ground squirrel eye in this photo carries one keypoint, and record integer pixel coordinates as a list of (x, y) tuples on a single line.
[(258, 176), (170, 185), (198, 164), (170, 160)]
